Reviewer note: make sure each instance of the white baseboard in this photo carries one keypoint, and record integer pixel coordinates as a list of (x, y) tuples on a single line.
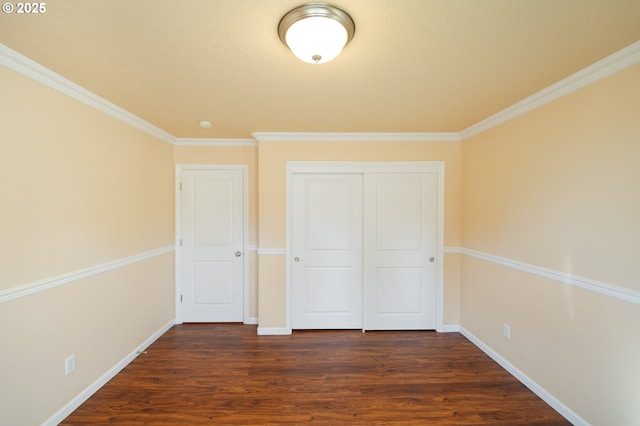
[(273, 331), (72, 405), (545, 395), (251, 321)]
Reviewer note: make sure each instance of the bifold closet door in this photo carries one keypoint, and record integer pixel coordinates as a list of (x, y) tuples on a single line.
[(326, 251), (400, 223)]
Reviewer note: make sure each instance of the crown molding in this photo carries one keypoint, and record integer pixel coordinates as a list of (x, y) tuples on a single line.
[(354, 137), (214, 142), (31, 69), (613, 63)]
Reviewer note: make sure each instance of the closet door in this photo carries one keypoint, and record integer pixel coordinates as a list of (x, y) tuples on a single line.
[(327, 251), (400, 223)]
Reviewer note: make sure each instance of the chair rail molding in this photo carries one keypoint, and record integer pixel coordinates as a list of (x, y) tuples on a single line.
[(59, 280), (626, 294)]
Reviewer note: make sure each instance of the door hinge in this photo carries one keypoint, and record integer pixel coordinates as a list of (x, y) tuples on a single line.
[(180, 298), (180, 186), (180, 242)]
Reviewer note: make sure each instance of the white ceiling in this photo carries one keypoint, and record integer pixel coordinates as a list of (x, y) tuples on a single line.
[(413, 65)]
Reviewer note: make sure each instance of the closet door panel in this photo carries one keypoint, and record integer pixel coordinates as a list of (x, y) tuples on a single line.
[(400, 222), (327, 251)]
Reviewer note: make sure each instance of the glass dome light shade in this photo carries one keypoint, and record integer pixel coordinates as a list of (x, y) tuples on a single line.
[(316, 32), (316, 39)]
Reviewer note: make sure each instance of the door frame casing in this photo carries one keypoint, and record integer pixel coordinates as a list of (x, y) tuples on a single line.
[(332, 167), (179, 168)]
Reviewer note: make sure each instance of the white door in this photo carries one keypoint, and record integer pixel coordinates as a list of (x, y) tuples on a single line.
[(212, 252), (400, 240), (327, 251)]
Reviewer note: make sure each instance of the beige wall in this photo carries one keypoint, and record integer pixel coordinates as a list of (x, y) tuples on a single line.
[(240, 155), (80, 189), (272, 157), (558, 188)]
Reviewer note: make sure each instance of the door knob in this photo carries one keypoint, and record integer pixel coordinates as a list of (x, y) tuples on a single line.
[(296, 259), (238, 254), (431, 259)]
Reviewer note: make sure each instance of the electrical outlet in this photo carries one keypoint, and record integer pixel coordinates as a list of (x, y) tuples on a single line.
[(506, 331), (69, 364)]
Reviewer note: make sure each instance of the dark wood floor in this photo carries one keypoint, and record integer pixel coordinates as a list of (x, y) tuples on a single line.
[(226, 374)]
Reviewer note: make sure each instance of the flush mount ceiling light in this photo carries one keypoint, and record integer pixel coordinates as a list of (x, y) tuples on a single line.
[(316, 32)]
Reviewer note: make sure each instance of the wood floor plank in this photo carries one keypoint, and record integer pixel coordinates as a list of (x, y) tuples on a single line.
[(227, 374)]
